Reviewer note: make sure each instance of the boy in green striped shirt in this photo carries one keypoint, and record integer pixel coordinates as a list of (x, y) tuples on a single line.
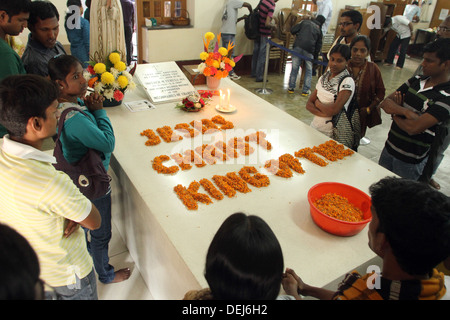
[(39, 202)]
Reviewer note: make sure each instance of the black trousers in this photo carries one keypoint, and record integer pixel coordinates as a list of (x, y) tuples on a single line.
[(403, 43), (129, 43), (430, 167)]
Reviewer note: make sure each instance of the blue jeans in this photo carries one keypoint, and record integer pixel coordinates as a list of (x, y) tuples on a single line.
[(226, 38), (259, 58), (296, 63), (403, 169), (99, 243), (83, 289)]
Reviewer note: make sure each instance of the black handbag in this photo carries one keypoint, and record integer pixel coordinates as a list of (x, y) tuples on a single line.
[(88, 174), (346, 124)]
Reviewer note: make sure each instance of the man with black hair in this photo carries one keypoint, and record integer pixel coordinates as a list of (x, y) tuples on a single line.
[(350, 23), (308, 42), (411, 237), (42, 42), (418, 107), (41, 203), (442, 139), (13, 19)]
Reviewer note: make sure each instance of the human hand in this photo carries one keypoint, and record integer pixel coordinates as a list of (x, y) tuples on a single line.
[(293, 284), (390, 106), (302, 288), (399, 98), (94, 101), (290, 285), (71, 227)]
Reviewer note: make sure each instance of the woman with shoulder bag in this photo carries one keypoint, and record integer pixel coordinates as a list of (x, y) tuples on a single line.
[(87, 128), (369, 91), (334, 91)]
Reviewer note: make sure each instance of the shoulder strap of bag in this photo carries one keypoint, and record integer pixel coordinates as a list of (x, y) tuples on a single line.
[(347, 112), (62, 118), (339, 85)]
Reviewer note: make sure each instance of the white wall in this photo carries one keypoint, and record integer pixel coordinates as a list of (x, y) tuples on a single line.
[(186, 44)]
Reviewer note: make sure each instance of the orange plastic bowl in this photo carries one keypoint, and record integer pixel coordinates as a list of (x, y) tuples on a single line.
[(335, 226)]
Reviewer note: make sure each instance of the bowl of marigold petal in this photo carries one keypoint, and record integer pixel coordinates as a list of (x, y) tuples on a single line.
[(339, 209)]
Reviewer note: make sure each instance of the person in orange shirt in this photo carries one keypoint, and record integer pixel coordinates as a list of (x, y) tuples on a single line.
[(411, 237)]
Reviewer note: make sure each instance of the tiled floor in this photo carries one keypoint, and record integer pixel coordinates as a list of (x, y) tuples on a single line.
[(132, 289), (135, 288)]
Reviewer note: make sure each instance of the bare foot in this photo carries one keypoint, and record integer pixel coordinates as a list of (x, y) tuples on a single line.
[(121, 275), (434, 184)]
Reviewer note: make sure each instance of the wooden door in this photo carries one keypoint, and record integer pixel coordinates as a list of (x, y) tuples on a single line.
[(440, 5), (304, 5), (399, 6), (161, 10)]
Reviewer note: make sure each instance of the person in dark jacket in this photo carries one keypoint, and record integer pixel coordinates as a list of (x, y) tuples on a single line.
[(308, 43)]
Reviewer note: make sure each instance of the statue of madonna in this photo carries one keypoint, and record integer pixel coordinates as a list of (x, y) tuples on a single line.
[(106, 30)]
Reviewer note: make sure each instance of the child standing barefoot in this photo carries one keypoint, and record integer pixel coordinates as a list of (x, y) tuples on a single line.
[(81, 133)]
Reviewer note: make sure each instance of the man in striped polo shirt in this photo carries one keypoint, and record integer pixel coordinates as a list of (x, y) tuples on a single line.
[(39, 202), (266, 11), (417, 108), (442, 140)]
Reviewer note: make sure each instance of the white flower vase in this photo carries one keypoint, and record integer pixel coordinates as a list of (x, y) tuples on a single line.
[(212, 83)]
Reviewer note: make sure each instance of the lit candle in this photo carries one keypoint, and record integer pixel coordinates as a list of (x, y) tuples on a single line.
[(228, 104), (221, 99)]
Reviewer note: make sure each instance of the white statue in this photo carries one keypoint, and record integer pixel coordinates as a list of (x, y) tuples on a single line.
[(424, 10), (106, 30)]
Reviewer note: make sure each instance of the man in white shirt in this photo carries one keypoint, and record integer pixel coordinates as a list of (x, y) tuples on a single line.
[(324, 8), (404, 29), (229, 20), (411, 11)]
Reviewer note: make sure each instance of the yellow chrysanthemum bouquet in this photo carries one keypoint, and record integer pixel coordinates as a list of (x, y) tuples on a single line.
[(110, 79), (217, 61)]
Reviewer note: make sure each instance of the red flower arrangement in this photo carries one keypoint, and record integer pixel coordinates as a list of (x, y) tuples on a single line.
[(195, 102)]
